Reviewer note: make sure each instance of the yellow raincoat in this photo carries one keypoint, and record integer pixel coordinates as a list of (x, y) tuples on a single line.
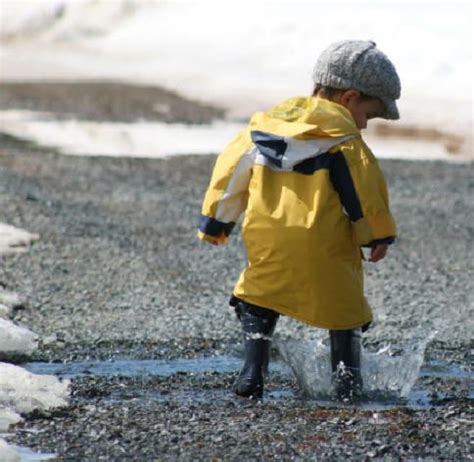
[(313, 194)]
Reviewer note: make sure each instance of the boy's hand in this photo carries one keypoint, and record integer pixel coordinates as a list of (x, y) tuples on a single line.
[(378, 252)]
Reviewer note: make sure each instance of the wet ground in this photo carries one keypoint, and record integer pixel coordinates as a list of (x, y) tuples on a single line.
[(183, 410), (118, 275), (439, 381)]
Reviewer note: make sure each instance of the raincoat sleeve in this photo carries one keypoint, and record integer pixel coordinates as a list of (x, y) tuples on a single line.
[(360, 183), (227, 193)]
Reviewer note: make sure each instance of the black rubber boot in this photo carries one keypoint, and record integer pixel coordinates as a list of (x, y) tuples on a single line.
[(345, 363), (258, 325)]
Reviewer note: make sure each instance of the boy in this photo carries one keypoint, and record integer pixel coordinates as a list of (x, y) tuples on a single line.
[(313, 195)]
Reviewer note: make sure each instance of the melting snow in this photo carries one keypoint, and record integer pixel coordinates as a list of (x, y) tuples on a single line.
[(20, 390)]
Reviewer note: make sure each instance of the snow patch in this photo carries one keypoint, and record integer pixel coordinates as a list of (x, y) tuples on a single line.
[(141, 139), (156, 139), (10, 299), (5, 311), (23, 391), (8, 453), (16, 339), (20, 390), (251, 56), (8, 417), (15, 240), (244, 56)]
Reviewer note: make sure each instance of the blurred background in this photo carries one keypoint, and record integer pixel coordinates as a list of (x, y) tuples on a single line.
[(153, 78)]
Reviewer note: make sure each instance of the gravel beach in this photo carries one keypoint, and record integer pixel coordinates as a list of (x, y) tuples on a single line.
[(119, 273)]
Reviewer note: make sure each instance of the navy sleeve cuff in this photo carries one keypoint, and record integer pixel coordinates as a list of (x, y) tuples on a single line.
[(213, 227), (387, 240)]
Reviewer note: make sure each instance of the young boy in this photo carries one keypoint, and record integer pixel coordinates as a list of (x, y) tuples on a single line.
[(313, 195)]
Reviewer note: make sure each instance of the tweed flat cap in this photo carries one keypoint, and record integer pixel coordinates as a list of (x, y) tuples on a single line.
[(360, 65)]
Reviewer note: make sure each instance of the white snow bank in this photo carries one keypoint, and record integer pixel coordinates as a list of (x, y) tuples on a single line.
[(15, 240), (12, 453), (16, 339), (23, 391), (8, 301), (5, 311), (16, 21), (65, 19), (245, 56), (7, 418), (8, 453), (141, 139), (155, 139)]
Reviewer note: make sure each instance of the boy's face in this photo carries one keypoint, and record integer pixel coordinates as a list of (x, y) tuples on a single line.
[(362, 109)]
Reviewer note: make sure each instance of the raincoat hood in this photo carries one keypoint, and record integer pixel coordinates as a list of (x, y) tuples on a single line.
[(307, 117), (299, 129)]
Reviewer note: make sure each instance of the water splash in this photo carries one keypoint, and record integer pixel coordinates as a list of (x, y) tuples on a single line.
[(310, 362), (388, 373)]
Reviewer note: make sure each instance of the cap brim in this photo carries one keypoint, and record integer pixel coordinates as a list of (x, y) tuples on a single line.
[(391, 110)]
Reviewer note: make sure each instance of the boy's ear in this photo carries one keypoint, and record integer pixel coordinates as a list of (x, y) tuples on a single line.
[(349, 96)]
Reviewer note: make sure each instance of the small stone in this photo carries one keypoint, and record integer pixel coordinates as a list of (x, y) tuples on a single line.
[(5, 311), (49, 340)]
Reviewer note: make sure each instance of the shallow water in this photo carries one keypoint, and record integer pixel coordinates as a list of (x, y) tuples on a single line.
[(418, 396), (135, 368), (27, 455)]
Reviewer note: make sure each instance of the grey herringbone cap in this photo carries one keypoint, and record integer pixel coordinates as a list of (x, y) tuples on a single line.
[(362, 66)]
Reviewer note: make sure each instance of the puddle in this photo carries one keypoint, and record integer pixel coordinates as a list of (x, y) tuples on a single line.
[(147, 367), (27, 455), (418, 397), (443, 369)]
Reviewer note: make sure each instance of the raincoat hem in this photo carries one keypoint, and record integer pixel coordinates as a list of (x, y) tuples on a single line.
[(285, 312)]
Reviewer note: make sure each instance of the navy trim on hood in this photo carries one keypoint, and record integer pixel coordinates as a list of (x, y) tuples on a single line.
[(309, 166), (273, 147)]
